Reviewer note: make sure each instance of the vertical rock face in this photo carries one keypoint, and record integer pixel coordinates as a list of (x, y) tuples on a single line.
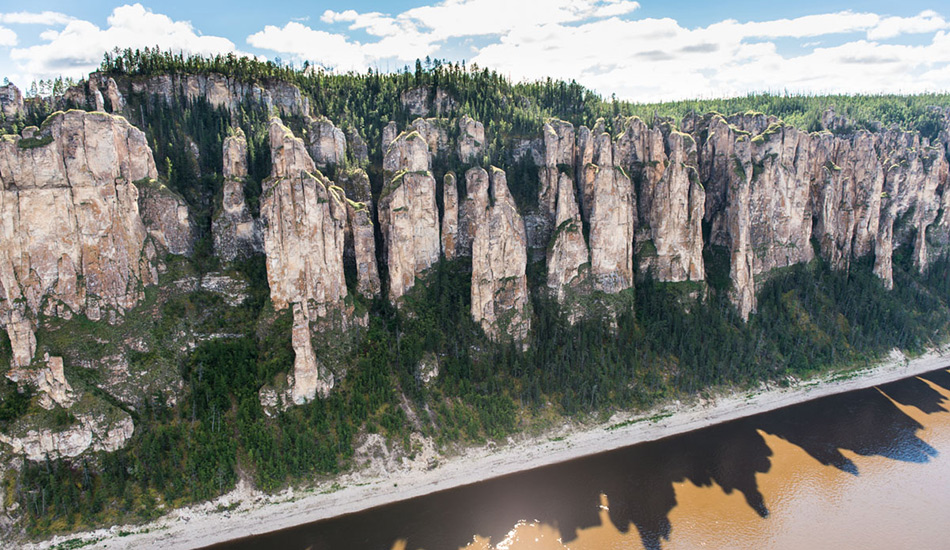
[(670, 240), (362, 241), (848, 182), (236, 233), (11, 102), (558, 157), (53, 386), (408, 214), (435, 134), (612, 220), (304, 223), (471, 139), (499, 258), (390, 131), (762, 210), (471, 209), (359, 151), (450, 216), (71, 238), (165, 214), (326, 143), (913, 173), (567, 258), (726, 169)]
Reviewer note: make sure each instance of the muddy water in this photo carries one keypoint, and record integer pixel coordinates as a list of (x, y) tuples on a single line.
[(868, 469)]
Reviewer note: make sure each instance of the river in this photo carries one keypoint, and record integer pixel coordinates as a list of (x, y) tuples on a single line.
[(868, 469)]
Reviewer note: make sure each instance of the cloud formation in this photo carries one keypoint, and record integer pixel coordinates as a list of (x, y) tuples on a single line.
[(78, 48), (600, 43)]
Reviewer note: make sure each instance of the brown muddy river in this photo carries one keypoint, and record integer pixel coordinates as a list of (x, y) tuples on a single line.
[(865, 470)]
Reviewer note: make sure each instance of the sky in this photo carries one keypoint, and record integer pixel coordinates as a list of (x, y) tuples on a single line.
[(645, 50)]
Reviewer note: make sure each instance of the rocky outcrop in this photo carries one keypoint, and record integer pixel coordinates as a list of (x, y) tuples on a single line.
[(359, 151), (471, 209), (408, 214), (165, 214), (420, 101), (91, 431), (236, 233), (914, 171), (304, 219), (568, 259), (389, 133), (361, 240), (471, 139), (11, 103), (326, 143), (558, 137), (612, 219), (435, 132), (500, 302), (450, 216), (52, 384), (72, 240), (670, 236)]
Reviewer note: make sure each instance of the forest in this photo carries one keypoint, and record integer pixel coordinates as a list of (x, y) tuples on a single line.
[(659, 341)]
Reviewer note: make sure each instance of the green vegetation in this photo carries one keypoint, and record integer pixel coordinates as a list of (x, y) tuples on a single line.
[(614, 357)]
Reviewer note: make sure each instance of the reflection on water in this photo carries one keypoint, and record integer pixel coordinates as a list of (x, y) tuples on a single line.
[(860, 470)]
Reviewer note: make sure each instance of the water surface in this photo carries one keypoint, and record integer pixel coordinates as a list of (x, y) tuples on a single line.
[(867, 469)]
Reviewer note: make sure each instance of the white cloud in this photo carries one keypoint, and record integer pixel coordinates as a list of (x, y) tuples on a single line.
[(78, 48), (7, 37), (35, 18), (332, 50), (925, 22)]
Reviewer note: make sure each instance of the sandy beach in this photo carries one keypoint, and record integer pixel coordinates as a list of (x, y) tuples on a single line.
[(244, 512)]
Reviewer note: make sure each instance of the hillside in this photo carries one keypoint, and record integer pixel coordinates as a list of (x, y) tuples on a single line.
[(213, 269)]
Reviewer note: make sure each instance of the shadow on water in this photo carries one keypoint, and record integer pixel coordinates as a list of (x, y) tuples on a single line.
[(639, 480)]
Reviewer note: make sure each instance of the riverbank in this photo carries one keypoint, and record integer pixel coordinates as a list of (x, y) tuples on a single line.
[(245, 512)]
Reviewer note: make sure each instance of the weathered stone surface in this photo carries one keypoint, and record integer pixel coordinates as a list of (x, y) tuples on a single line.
[(11, 103), (93, 432), (612, 220), (568, 259), (390, 131), (71, 238), (326, 143), (359, 151), (450, 216), (435, 133), (471, 139), (52, 384), (310, 378), (304, 224), (417, 101), (236, 233), (558, 139), (500, 300), (670, 238), (304, 220), (408, 214), (471, 209), (362, 241), (913, 173), (165, 214)]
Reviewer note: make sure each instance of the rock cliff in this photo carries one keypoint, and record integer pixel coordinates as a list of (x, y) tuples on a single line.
[(568, 259), (325, 142), (236, 233), (408, 214), (500, 301), (304, 219), (71, 240)]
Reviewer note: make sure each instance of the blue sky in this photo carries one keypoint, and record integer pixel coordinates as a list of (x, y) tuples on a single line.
[(640, 50)]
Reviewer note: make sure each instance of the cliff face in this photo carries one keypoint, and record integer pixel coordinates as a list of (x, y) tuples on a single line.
[(408, 214), (71, 237), (304, 220), (325, 142), (568, 259), (236, 233), (499, 257), (612, 219), (216, 89)]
